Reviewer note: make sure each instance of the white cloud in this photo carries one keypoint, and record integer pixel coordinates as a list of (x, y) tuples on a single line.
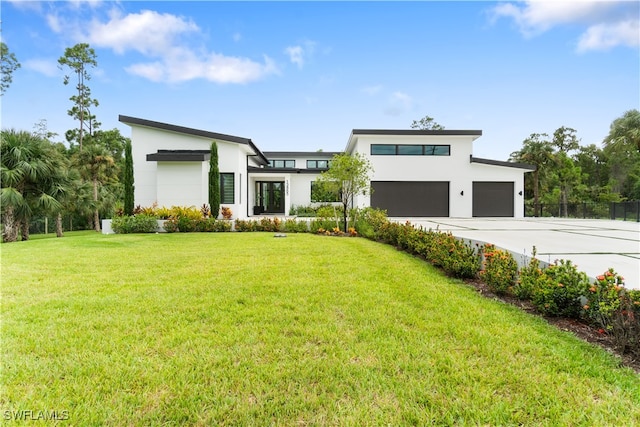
[(295, 54), (606, 36), (53, 21), (164, 39), (147, 32), (299, 54), (182, 65), (399, 102), (34, 6), (43, 66), (608, 23)]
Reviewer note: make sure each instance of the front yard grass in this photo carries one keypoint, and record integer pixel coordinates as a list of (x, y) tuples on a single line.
[(248, 329)]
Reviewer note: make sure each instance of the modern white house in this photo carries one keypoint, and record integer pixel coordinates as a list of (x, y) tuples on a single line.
[(417, 173)]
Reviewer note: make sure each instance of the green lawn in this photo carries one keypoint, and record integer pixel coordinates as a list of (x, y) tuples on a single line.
[(248, 329)]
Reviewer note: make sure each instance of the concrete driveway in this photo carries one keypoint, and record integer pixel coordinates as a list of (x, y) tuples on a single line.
[(593, 245)]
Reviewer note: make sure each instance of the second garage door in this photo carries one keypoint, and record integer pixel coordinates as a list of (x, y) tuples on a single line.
[(411, 198), (493, 199)]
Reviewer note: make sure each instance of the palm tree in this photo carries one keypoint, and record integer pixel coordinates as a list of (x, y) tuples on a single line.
[(32, 179), (98, 167), (624, 131), (536, 150)]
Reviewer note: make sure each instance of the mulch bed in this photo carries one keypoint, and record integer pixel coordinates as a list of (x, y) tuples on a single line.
[(578, 328)]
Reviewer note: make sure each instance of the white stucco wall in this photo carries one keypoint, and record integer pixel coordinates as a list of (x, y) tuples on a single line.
[(455, 169), (181, 183), (184, 183)]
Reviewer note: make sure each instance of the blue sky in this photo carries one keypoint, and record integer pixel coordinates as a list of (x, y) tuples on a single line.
[(302, 75)]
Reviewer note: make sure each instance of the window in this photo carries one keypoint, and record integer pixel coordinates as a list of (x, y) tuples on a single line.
[(288, 164), (323, 192), (227, 188), (437, 150), (381, 149), (318, 164), (410, 150)]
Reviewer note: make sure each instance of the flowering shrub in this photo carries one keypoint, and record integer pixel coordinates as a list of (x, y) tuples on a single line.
[(463, 260), (500, 269), (245, 225), (615, 309), (528, 278), (326, 224), (559, 290)]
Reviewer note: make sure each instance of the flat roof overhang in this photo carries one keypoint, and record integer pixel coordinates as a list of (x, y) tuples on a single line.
[(179, 156)]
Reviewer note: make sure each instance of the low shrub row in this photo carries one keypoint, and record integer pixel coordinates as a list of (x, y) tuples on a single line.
[(201, 225), (141, 223), (163, 212), (456, 257)]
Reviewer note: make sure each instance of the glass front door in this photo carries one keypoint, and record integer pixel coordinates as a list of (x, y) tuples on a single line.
[(270, 196)]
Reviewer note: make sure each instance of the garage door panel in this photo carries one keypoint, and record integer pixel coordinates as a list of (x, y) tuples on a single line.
[(493, 199), (411, 198)]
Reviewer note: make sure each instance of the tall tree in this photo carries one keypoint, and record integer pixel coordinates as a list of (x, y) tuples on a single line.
[(79, 59), (536, 150), (622, 147), (595, 176), (214, 181), (8, 64), (97, 166), (567, 173), (349, 175), (426, 123), (128, 180), (33, 175), (624, 131)]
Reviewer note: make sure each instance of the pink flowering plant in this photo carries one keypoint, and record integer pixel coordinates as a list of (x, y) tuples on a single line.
[(560, 290), (499, 269), (616, 310)]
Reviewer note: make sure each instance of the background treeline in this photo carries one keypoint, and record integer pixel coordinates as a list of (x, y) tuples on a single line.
[(76, 182), (569, 173)]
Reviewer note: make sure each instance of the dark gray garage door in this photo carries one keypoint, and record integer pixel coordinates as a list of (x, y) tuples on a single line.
[(493, 199), (411, 198)]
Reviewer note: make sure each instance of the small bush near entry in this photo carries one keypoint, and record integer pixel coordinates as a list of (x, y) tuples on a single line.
[(293, 226), (559, 290), (368, 220), (140, 223), (500, 269)]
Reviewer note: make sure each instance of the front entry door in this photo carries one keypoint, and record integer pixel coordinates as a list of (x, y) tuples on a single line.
[(270, 196)]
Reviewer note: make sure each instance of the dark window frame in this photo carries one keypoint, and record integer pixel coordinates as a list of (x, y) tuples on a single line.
[(425, 150), (285, 163), (311, 163), (336, 198), (226, 197)]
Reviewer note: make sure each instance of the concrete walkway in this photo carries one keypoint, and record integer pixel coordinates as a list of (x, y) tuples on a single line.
[(593, 245)]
